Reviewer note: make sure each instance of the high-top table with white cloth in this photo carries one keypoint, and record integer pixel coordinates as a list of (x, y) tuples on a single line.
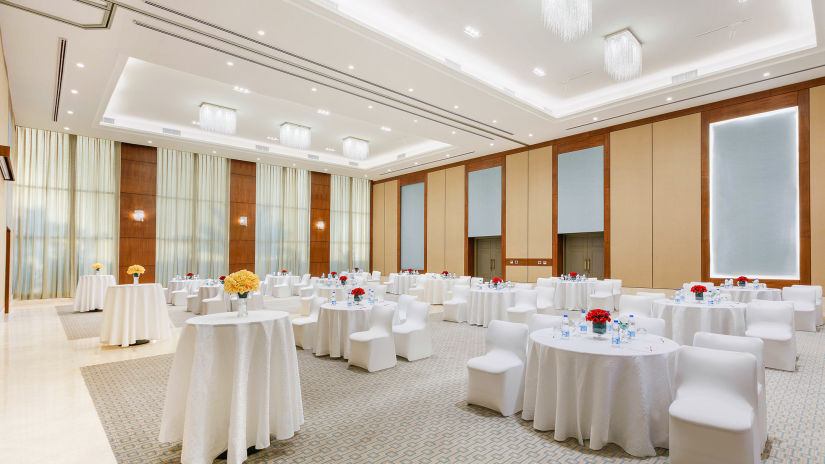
[(436, 288), (234, 382), (587, 389), (489, 304), (134, 312), (91, 291), (684, 319), (749, 293), (337, 322), (572, 294), (404, 282), (190, 285)]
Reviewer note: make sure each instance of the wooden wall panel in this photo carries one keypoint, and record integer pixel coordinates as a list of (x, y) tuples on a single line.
[(454, 205), (434, 245), (242, 199), (536, 272), (677, 201), (319, 211), (631, 206), (138, 189), (817, 118), (516, 273), (540, 204), (392, 222), (377, 245), (516, 170)]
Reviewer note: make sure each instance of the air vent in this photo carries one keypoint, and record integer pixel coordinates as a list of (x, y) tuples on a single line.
[(312, 157), (690, 75), (58, 85), (167, 131), (263, 148), (353, 164), (109, 121), (401, 156)]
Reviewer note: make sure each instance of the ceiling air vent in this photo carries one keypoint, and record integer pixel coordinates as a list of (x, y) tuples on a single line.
[(401, 156), (263, 148), (690, 75), (312, 157), (167, 131), (109, 121), (353, 164)]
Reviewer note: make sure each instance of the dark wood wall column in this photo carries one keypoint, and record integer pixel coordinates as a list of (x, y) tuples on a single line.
[(138, 189), (319, 212), (242, 196)]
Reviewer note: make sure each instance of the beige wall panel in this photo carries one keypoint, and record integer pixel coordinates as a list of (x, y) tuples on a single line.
[(391, 226), (435, 221), (378, 228), (5, 104), (454, 220), (677, 201), (818, 185), (540, 204), (631, 209), (516, 202), (517, 273), (536, 272)]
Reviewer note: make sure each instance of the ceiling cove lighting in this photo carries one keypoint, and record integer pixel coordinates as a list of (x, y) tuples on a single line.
[(295, 135), (472, 32), (568, 19), (622, 55), (356, 149), (214, 118)]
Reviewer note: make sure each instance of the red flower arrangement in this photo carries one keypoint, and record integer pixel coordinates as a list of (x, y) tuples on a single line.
[(189, 275), (698, 289), (358, 291), (497, 281), (333, 273), (742, 279), (598, 316), (445, 273), (222, 278), (343, 279), (283, 271), (574, 274), (357, 269)]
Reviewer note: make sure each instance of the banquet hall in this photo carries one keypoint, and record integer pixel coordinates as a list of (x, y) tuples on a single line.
[(382, 231)]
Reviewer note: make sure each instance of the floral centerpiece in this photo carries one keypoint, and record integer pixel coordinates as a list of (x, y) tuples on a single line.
[(135, 270), (357, 294), (445, 273), (742, 281), (97, 267), (283, 272), (241, 282), (573, 275), (356, 269), (698, 291), (189, 276), (343, 280), (599, 318), (333, 274), (496, 281), (222, 279)]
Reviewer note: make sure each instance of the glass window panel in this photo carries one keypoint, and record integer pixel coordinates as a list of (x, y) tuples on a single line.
[(484, 202), (412, 226), (581, 191)]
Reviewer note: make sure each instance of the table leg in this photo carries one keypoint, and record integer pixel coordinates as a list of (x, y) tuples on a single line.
[(139, 342)]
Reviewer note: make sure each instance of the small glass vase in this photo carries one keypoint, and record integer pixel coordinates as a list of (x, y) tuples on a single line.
[(699, 296), (357, 298), (97, 271), (742, 283), (242, 311), (599, 328), (136, 279)]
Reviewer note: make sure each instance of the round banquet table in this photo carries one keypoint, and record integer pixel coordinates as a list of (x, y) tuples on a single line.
[(279, 279), (207, 291), (233, 383), (337, 322), (91, 291), (190, 285), (572, 294), (585, 388), (404, 282), (489, 304), (134, 312), (748, 294), (683, 320), (325, 291), (436, 289)]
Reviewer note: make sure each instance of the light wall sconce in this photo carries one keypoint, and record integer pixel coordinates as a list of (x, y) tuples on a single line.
[(320, 225), (243, 221), (138, 215)]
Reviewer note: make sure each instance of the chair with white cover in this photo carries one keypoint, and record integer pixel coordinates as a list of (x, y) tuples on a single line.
[(617, 290), (375, 277), (463, 280), (713, 417), (307, 291), (750, 345), (280, 291), (545, 299), (418, 290), (636, 305), (455, 309), (773, 323), (297, 286), (476, 281), (652, 325), (379, 290), (403, 305), (804, 307), (306, 304), (524, 307), (542, 282), (412, 339), (652, 296), (166, 295), (496, 379), (193, 303), (818, 290), (601, 296), (392, 283), (304, 327), (217, 304), (544, 321), (524, 286), (374, 349), (179, 297)]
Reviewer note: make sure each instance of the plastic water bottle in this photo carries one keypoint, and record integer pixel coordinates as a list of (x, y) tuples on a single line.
[(372, 297), (631, 328), (616, 335), (349, 300), (565, 327), (332, 299), (582, 323)]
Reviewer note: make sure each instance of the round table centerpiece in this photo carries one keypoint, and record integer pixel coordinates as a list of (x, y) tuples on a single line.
[(357, 294), (97, 267), (135, 270), (599, 318), (698, 292), (241, 282), (189, 276), (496, 282), (343, 281), (742, 281)]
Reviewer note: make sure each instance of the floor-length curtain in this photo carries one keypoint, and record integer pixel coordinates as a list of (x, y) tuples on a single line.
[(295, 247), (175, 214), (281, 220), (211, 256), (360, 223), (339, 224)]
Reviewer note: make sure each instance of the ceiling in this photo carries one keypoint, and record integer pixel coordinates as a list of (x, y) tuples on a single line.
[(393, 64)]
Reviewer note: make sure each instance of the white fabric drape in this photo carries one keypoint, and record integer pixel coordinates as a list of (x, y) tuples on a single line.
[(360, 219), (211, 253), (281, 220), (349, 223)]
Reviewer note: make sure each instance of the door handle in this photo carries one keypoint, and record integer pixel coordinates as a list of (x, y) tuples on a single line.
[(492, 264)]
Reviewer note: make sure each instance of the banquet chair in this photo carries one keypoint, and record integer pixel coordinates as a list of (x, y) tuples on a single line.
[(418, 289), (403, 305), (545, 299), (392, 283), (652, 325), (464, 280), (476, 281), (307, 291), (375, 277), (217, 304), (166, 295), (542, 282), (280, 291), (636, 305), (306, 303), (380, 290), (374, 349), (804, 307), (601, 297), (652, 296), (297, 286), (544, 321), (304, 327), (713, 417), (524, 307), (617, 290), (455, 309), (192, 303), (179, 297), (412, 339), (773, 323), (750, 345), (496, 379), (818, 290)]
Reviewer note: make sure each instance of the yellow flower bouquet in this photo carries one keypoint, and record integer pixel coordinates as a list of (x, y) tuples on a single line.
[(135, 270), (97, 267), (241, 282)]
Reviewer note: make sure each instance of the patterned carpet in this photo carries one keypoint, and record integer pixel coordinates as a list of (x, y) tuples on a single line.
[(87, 325), (416, 413)]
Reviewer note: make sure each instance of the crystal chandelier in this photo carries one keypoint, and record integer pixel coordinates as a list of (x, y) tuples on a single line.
[(214, 118), (295, 136), (356, 149), (568, 19), (622, 55)]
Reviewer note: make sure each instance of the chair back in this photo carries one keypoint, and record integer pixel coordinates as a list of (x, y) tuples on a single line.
[(417, 313), (524, 285), (476, 281), (653, 325), (752, 345), (381, 319), (545, 297), (720, 373), (634, 304), (770, 312), (602, 286), (544, 321), (315, 306), (541, 282), (463, 280), (803, 297), (508, 336), (817, 289), (526, 298), (392, 277), (617, 285), (404, 302), (461, 293), (376, 275)]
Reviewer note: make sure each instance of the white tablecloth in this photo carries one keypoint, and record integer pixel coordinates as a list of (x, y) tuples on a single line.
[(683, 320), (488, 304), (587, 389), (436, 289), (208, 291), (272, 280), (337, 323), (748, 294), (134, 312), (91, 291), (233, 383), (405, 281), (190, 285), (572, 294)]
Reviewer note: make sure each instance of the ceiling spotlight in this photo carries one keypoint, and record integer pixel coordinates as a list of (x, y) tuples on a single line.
[(389, 170), (293, 165), (325, 169), (472, 32), (415, 120), (65, 128), (195, 123), (494, 121), (259, 159), (491, 144), (240, 89), (595, 118), (529, 135), (229, 63), (323, 111), (350, 67), (410, 89), (453, 132), (261, 32), (386, 129), (314, 89), (447, 155), (81, 65), (74, 92), (766, 74), (669, 99), (416, 163), (213, 152), (274, 139), (539, 72), (455, 107), (365, 175), (369, 107), (149, 141), (70, 112)]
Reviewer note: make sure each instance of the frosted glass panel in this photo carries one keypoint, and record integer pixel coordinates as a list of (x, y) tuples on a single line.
[(754, 196), (581, 191), (412, 226), (484, 203)]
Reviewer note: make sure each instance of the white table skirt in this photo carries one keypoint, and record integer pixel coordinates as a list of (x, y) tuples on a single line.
[(337, 323), (746, 295), (91, 291), (233, 383), (436, 289), (134, 312), (587, 389), (190, 285), (487, 304), (683, 320), (404, 282), (572, 294)]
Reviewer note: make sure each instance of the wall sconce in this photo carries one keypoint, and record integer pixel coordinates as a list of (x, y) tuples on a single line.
[(320, 225), (243, 221), (138, 215)]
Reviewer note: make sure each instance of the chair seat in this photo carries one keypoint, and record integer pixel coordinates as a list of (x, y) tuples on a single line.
[(367, 335), (732, 414), (780, 334), (494, 363), (406, 328), (305, 320)]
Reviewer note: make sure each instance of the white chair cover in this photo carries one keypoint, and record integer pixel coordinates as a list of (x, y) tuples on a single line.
[(496, 379), (374, 349), (412, 339), (773, 323)]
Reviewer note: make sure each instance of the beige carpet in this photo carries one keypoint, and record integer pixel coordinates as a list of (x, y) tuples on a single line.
[(416, 413)]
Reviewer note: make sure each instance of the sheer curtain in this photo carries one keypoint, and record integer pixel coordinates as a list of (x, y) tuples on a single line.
[(349, 223), (295, 249), (360, 219), (281, 220), (211, 253)]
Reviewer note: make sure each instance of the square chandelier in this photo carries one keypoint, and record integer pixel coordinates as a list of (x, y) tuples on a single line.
[(295, 135), (356, 149), (622, 55), (214, 118)]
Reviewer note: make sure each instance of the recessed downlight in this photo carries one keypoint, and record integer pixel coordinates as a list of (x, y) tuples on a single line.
[(149, 142), (539, 72), (70, 112), (529, 135), (595, 118), (80, 65), (369, 107), (323, 111), (73, 91), (66, 128), (229, 63), (314, 89), (214, 152), (766, 74), (351, 67), (472, 32), (411, 89), (261, 32), (453, 132), (386, 129), (455, 107), (669, 99)]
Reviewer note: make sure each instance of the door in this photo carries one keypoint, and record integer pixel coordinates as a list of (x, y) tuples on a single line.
[(487, 257), (584, 253)]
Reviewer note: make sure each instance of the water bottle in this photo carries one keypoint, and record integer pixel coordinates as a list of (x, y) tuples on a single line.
[(332, 299), (565, 327), (372, 297), (582, 323), (631, 328), (616, 335), (349, 300)]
